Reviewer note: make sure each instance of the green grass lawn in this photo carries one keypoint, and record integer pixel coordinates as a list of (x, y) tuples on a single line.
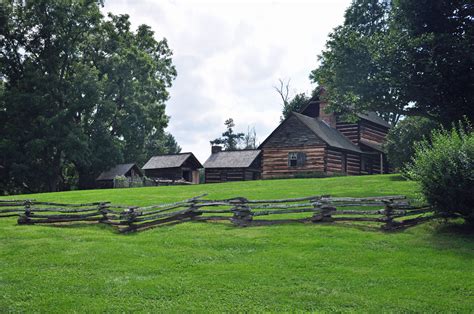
[(217, 267)]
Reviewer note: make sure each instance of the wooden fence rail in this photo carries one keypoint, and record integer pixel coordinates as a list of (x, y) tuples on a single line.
[(390, 212)]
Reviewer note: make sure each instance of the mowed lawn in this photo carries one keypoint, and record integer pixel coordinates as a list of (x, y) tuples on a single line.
[(215, 267)]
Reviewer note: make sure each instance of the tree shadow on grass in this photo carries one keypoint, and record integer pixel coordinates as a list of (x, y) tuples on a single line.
[(456, 237), (398, 178)]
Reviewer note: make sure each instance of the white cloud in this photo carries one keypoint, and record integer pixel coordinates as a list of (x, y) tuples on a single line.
[(230, 54)]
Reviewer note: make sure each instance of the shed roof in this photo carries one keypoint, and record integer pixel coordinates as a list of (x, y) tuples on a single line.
[(232, 159), (118, 170), (375, 146), (170, 161), (329, 135), (374, 118)]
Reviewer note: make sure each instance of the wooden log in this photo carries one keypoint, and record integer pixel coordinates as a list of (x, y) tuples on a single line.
[(35, 216), (10, 215), (65, 210), (285, 211), (69, 205), (60, 220), (17, 201), (367, 219), (358, 212), (364, 199), (15, 210)]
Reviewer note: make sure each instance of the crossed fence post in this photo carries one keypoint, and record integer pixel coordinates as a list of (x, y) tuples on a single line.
[(25, 217)]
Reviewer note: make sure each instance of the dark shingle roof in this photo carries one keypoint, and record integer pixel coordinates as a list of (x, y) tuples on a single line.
[(232, 159), (329, 135), (118, 170), (169, 161), (374, 118)]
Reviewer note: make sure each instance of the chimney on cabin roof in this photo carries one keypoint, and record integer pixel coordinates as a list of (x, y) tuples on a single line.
[(216, 149)]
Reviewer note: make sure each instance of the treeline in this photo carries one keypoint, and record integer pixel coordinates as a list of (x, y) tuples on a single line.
[(79, 92)]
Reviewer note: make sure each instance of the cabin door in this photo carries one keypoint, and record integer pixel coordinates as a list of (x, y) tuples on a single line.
[(187, 175)]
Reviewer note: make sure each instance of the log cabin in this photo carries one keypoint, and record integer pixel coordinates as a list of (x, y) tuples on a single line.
[(238, 165), (184, 166), (106, 178), (313, 142)]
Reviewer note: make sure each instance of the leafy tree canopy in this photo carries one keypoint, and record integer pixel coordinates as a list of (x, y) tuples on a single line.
[(402, 57), (402, 138), (80, 93)]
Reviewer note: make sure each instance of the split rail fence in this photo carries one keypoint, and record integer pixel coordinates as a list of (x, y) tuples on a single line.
[(390, 212)]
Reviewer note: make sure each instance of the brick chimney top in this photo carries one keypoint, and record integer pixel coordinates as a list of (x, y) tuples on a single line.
[(216, 149)]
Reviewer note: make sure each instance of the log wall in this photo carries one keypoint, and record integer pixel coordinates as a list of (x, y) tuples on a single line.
[(167, 173), (372, 132), (275, 161), (349, 130), (342, 162)]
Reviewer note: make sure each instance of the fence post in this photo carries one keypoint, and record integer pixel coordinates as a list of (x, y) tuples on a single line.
[(102, 208), (242, 214), (130, 216), (25, 218), (388, 212), (324, 213), (193, 210)]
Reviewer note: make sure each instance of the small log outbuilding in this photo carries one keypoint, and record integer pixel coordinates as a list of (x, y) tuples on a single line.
[(238, 165), (106, 178), (184, 166)]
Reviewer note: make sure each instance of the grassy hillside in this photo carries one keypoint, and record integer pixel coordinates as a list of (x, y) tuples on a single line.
[(217, 267)]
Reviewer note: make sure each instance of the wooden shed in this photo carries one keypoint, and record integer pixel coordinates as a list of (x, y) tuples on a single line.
[(174, 167), (106, 178), (238, 165)]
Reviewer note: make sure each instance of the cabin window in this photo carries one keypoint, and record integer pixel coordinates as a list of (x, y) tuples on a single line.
[(296, 159)]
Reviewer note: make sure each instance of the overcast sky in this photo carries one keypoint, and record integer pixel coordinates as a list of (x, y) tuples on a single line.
[(229, 55)]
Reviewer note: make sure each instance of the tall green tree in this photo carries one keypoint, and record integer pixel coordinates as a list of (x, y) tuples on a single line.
[(229, 138), (402, 57), (402, 139), (80, 92)]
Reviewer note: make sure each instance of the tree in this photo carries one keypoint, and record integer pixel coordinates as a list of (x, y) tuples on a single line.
[(401, 139), (80, 92), (290, 105), (402, 58), (250, 139), (229, 139)]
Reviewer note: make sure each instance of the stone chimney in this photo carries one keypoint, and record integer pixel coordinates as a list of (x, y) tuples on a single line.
[(216, 149), (329, 118)]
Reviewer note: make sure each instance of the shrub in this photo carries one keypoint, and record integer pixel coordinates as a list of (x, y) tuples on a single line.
[(444, 169)]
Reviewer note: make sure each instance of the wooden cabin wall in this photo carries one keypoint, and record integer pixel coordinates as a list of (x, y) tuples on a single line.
[(167, 173), (217, 175), (372, 132), (335, 162), (353, 164), (349, 130), (275, 161)]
